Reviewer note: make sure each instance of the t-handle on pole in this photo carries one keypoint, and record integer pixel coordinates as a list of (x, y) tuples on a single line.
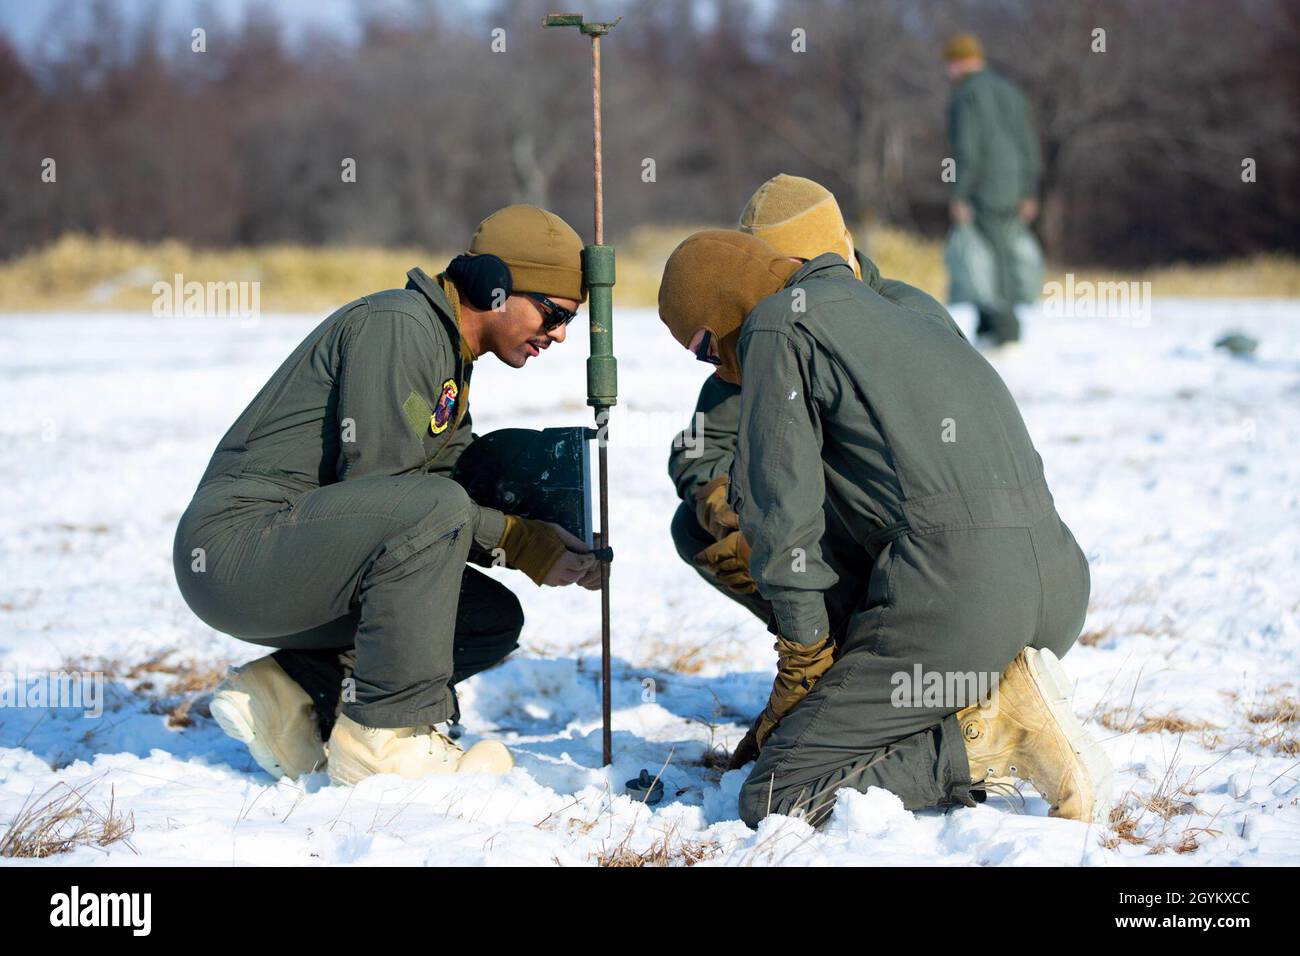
[(602, 368)]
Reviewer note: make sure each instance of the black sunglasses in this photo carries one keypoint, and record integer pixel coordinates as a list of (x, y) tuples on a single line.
[(553, 314), (702, 350)]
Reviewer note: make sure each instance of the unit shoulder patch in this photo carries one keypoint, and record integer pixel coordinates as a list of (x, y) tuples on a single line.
[(444, 412)]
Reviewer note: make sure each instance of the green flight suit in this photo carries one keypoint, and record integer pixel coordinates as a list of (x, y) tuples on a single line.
[(705, 450), (888, 420), (997, 165), (326, 517)]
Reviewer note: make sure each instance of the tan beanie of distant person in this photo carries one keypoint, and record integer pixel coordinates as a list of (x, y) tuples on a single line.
[(964, 46), (798, 218), (543, 251), (712, 281)]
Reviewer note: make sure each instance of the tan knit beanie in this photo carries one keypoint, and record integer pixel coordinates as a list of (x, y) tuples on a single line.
[(543, 251), (964, 46)]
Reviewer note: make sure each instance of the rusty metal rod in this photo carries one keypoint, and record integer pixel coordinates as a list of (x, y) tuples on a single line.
[(602, 417), (598, 166), (602, 374)]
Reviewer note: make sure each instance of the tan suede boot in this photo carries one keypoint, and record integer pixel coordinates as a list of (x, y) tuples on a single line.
[(1032, 734), (357, 752), (264, 708)]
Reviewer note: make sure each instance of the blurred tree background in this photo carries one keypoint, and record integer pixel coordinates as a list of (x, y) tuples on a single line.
[(242, 145)]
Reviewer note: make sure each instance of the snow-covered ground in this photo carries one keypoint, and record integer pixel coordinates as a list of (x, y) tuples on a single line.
[(1175, 465)]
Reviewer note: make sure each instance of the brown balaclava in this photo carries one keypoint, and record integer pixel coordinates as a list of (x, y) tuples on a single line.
[(712, 281)]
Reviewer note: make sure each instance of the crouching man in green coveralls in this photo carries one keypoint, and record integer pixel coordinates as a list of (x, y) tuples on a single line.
[(876, 433), (326, 523), (801, 219)]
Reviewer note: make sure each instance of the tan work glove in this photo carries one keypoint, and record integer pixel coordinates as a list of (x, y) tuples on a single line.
[(712, 511), (798, 668), (728, 561), (747, 749), (548, 554)]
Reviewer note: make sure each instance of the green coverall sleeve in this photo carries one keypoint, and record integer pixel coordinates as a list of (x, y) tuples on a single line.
[(386, 359), (963, 137), (706, 448), (781, 490)]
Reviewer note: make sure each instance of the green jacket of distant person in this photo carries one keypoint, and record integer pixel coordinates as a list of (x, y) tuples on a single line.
[(993, 142)]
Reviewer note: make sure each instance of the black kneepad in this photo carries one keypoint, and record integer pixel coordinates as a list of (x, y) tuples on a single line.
[(485, 280)]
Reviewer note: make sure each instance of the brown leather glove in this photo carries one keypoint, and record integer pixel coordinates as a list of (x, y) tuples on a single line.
[(799, 667), (712, 511), (747, 749), (728, 561), (547, 553)]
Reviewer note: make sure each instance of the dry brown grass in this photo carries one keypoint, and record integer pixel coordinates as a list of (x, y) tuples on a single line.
[(175, 685), (1275, 723), (1094, 637), (1153, 820), (1283, 743), (687, 660), (714, 758), (1124, 721), (1131, 823), (671, 653), (54, 822), (104, 273), (1272, 721), (669, 849), (1280, 710), (187, 676), (101, 273), (1123, 827)]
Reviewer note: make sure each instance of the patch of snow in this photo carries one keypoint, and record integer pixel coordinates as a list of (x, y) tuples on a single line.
[(1174, 464)]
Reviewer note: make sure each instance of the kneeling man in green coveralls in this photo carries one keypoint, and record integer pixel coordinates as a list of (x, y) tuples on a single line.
[(800, 219), (326, 524), (874, 440)]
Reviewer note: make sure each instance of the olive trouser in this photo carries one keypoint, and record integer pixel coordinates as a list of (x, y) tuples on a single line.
[(376, 563), (488, 623), (998, 320), (960, 603)]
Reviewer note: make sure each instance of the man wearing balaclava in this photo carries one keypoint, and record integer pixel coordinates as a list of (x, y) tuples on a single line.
[(801, 219), (968, 580), (328, 524)]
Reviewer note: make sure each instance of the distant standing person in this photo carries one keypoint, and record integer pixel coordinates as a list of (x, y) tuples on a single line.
[(997, 168)]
